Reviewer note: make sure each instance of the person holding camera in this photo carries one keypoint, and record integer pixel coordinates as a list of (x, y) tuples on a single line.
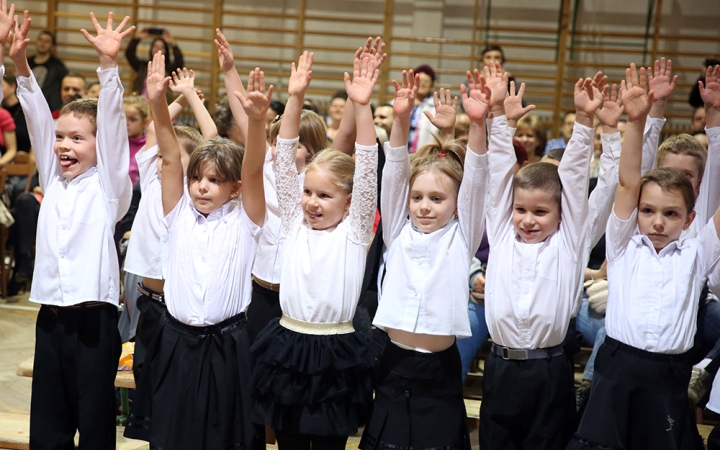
[(162, 41)]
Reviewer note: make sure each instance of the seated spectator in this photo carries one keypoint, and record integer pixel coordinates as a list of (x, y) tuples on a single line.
[(225, 123), (462, 127), (275, 109), (162, 41), (698, 119), (494, 53), (307, 104), (701, 137), (72, 88), (565, 130), (49, 71), (93, 90), (11, 103), (532, 135), (695, 99), (335, 113), (384, 116), (421, 130), (8, 142)]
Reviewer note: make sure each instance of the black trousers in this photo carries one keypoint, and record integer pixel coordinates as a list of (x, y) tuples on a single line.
[(264, 307), (713, 441), (289, 441), (528, 405), (151, 312), (73, 386)]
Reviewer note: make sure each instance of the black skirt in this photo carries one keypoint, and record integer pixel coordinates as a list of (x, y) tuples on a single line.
[(418, 402), (195, 388), (313, 384)]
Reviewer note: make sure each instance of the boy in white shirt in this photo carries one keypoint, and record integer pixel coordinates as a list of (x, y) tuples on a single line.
[(537, 227), (83, 168)]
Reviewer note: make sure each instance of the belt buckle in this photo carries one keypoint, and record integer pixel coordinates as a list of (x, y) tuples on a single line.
[(514, 354)]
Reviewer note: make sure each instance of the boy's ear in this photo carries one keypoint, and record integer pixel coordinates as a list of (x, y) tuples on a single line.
[(347, 203), (689, 220), (237, 189)]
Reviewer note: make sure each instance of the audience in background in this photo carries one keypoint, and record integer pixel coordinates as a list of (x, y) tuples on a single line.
[(49, 71)]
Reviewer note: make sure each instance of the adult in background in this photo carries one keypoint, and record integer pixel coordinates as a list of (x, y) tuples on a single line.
[(335, 113), (421, 130), (71, 89), (47, 68), (162, 41)]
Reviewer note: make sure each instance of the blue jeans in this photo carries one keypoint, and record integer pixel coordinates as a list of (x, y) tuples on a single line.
[(592, 326), (469, 347)]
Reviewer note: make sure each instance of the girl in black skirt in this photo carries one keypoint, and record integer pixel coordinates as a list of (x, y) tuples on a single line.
[(312, 374), (195, 388), (418, 398)]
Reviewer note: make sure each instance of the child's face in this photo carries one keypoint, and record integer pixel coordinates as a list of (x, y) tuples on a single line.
[(491, 57), (208, 192), (8, 89), (336, 109), (527, 137), (75, 145), (685, 164), (135, 122), (662, 215), (432, 201), (93, 91), (324, 203), (536, 214)]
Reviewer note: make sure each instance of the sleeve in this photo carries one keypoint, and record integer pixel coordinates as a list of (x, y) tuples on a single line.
[(512, 131), (126, 222), (41, 128), (289, 193), (396, 186), (131, 54), (147, 166), (112, 145), (471, 200), (501, 163), (7, 123), (601, 198), (476, 268), (574, 175), (708, 200), (172, 217), (361, 215), (651, 137), (618, 235), (253, 230), (709, 253)]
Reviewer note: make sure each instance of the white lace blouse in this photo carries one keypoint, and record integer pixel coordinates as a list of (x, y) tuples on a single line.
[(322, 270)]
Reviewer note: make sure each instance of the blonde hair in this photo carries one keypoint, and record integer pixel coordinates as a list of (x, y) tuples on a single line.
[(684, 144), (313, 134), (188, 137), (224, 154), (445, 157), (339, 165), (83, 108), (138, 102)]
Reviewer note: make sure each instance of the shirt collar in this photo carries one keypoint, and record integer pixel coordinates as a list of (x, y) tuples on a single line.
[(679, 245), (88, 173), (219, 214)]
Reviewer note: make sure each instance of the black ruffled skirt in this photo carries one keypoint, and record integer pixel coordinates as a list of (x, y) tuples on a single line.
[(313, 384), (195, 389)]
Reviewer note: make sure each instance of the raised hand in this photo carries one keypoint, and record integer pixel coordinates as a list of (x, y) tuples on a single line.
[(612, 109), (496, 81), (636, 100), (514, 109), (300, 75), (374, 49), (405, 95), (6, 22), (256, 101), (107, 42), (19, 40), (183, 81), (365, 76), (588, 95), (445, 110), (710, 90), (157, 82), (660, 82), (225, 54), (476, 101)]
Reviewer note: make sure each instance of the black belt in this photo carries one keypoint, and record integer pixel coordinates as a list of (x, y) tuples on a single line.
[(152, 294), (519, 354)]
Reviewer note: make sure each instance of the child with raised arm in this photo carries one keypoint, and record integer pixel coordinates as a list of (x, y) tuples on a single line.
[(147, 254), (537, 229), (418, 400), (312, 375), (194, 390), (83, 167)]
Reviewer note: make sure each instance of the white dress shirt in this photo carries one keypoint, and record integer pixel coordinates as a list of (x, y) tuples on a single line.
[(531, 289), (709, 198), (322, 270), (653, 296), (425, 287), (147, 253), (76, 260), (208, 277)]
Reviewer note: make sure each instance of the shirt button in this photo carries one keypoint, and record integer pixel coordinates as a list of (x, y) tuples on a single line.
[(202, 259)]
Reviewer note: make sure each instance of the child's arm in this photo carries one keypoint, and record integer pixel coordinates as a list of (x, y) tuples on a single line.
[(514, 109), (345, 137), (361, 215), (111, 139), (40, 124), (255, 104), (708, 200), (445, 113), (396, 173), (232, 82), (573, 170), (184, 84), (174, 110), (662, 84), (601, 198), (6, 24), (471, 196), (501, 157)]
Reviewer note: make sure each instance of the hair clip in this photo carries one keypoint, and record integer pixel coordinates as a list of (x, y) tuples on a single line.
[(442, 155), (277, 118)]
